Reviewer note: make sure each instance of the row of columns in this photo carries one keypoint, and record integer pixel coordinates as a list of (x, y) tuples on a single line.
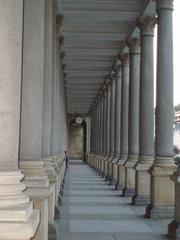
[(32, 119), (138, 157)]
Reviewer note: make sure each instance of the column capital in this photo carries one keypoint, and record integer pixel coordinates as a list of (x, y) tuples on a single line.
[(61, 41), (118, 71), (125, 59), (108, 83), (59, 20), (104, 89), (164, 4), (146, 24), (134, 45)]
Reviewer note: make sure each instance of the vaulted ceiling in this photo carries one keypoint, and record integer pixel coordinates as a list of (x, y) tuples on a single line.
[(95, 32)]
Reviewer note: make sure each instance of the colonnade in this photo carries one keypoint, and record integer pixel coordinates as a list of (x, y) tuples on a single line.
[(137, 154), (32, 119)]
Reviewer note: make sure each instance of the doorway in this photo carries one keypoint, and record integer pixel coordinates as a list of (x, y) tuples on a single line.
[(77, 140)]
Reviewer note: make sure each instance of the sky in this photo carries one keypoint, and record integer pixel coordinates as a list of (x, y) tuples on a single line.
[(176, 30)]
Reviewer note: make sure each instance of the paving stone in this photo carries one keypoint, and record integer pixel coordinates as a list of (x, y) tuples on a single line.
[(93, 210)]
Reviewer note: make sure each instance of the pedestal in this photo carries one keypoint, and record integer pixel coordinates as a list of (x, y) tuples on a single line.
[(142, 188), (130, 172), (162, 192), (18, 220), (121, 174)]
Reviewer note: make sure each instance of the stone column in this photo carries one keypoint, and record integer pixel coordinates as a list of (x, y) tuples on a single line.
[(117, 132), (162, 188), (104, 129), (16, 209), (124, 121), (100, 130), (54, 117), (97, 132), (107, 126), (47, 94), (36, 179), (146, 121), (112, 125), (133, 140)]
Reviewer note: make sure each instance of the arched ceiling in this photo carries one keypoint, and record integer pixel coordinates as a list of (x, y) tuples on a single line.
[(95, 32)]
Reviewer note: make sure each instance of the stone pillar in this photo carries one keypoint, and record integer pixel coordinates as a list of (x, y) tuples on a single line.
[(54, 117), (47, 94), (146, 121), (100, 129), (107, 126), (117, 132), (112, 125), (17, 217), (31, 162), (124, 121), (162, 188), (97, 132), (104, 129), (133, 140)]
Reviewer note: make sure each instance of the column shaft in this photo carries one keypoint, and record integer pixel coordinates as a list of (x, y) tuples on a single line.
[(33, 80), (124, 121), (117, 132), (47, 94), (146, 121), (117, 124), (10, 90), (133, 139)]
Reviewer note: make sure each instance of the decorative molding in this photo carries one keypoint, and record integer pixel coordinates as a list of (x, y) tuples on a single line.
[(146, 24), (134, 45)]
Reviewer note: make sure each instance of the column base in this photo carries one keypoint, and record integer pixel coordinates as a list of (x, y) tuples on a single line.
[(59, 200), (57, 213), (128, 192), (40, 191), (52, 231), (140, 200), (121, 173), (142, 187), (118, 187), (15, 229), (130, 176), (113, 182), (174, 230), (108, 178), (18, 219), (159, 212), (162, 190)]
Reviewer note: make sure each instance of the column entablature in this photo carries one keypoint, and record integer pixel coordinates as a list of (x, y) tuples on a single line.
[(146, 25), (134, 45)]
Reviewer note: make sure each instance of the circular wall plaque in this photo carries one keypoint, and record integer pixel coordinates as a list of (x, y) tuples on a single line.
[(79, 120)]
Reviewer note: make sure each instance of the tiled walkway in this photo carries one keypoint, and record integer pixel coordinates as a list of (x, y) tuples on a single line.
[(92, 210)]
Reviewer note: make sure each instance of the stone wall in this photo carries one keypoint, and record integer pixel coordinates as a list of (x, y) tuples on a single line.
[(75, 146)]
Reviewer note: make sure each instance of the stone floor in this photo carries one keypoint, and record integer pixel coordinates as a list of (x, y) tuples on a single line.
[(92, 209)]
